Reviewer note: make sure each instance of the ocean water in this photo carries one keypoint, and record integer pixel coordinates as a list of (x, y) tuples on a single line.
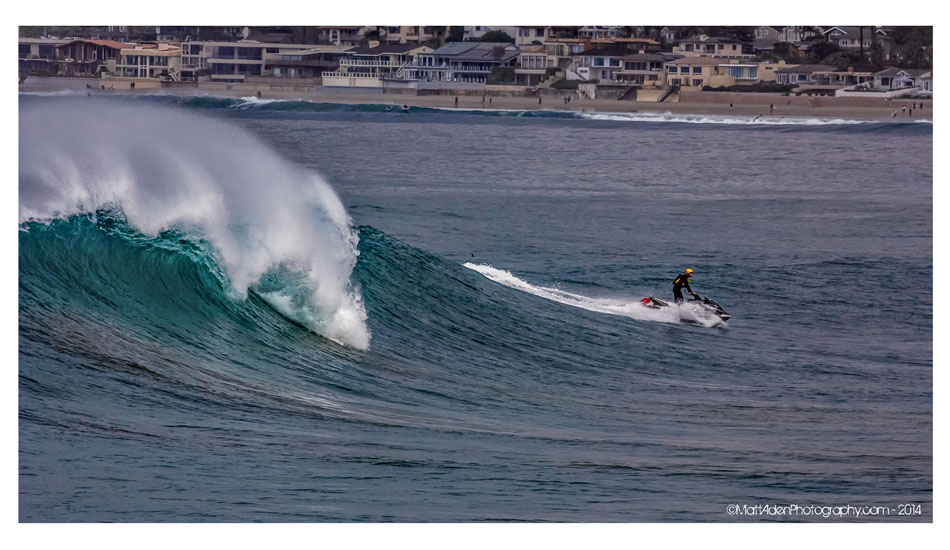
[(279, 311)]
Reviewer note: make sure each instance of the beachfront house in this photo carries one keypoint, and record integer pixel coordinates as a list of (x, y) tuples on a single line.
[(562, 51), (692, 71), (767, 69), (849, 77), (302, 64), (643, 69), (710, 46), (84, 57), (160, 61), (531, 67), (368, 66), (601, 64), (801, 75), (716, 72), (927, 84), (467, 62), (245, 61), (735, 74), (38, 56), (893, 78)]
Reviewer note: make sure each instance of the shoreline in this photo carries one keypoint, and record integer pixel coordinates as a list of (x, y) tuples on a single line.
[(518, 103)]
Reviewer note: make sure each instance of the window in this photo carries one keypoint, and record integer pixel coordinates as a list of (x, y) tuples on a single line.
[(598, 61), (671, 68), (733, 47), (802, 77), (684, 70), (614, 62), (697, 70), (735, 72), (24, 50), (753, 72), (689, 47), (697, 82)]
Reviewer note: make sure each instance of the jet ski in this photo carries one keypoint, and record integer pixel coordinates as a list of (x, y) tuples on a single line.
[(702, 305)]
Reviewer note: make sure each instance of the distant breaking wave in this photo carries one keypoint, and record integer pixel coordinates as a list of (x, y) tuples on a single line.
[(272, 228), (303, 107)]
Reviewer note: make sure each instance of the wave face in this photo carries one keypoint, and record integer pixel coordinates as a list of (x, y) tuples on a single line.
[(270, 226)]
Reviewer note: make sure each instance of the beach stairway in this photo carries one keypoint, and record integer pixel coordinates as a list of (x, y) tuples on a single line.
[(629, 93), (548, 80), (668, 92)]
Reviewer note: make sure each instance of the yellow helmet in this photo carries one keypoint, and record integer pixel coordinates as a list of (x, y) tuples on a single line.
[(688, 270)]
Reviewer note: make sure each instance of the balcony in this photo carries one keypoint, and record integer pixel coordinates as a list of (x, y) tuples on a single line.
[(369, 63)]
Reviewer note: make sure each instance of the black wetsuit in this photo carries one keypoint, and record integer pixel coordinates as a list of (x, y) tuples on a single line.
[(678, 283)]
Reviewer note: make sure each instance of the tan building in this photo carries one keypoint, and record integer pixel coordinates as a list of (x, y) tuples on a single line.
[(692, 71), (160, 61), (531, 67), (561, 51), (715, 72)]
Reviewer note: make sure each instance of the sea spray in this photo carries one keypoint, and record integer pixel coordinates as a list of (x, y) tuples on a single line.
[(266, 220), (624, 307)]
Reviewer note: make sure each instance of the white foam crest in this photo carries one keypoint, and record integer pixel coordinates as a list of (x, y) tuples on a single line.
[(625, 307), (166, 169), (252, 101), (768, 120)]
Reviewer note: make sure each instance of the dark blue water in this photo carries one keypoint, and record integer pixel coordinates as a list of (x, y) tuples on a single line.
[(149, 391)]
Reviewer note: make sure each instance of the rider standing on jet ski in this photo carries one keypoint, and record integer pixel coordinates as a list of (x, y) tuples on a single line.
[(681, 281)]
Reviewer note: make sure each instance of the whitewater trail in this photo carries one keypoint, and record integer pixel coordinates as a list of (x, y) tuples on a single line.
[(271, 226), (624, 307)]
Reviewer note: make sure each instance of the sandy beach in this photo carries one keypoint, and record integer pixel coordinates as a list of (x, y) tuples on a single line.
[(743, 105)]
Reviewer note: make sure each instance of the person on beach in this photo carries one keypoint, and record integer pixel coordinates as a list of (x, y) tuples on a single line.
[(682, 280), (456, 101), (771, 108), (539, 100)]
